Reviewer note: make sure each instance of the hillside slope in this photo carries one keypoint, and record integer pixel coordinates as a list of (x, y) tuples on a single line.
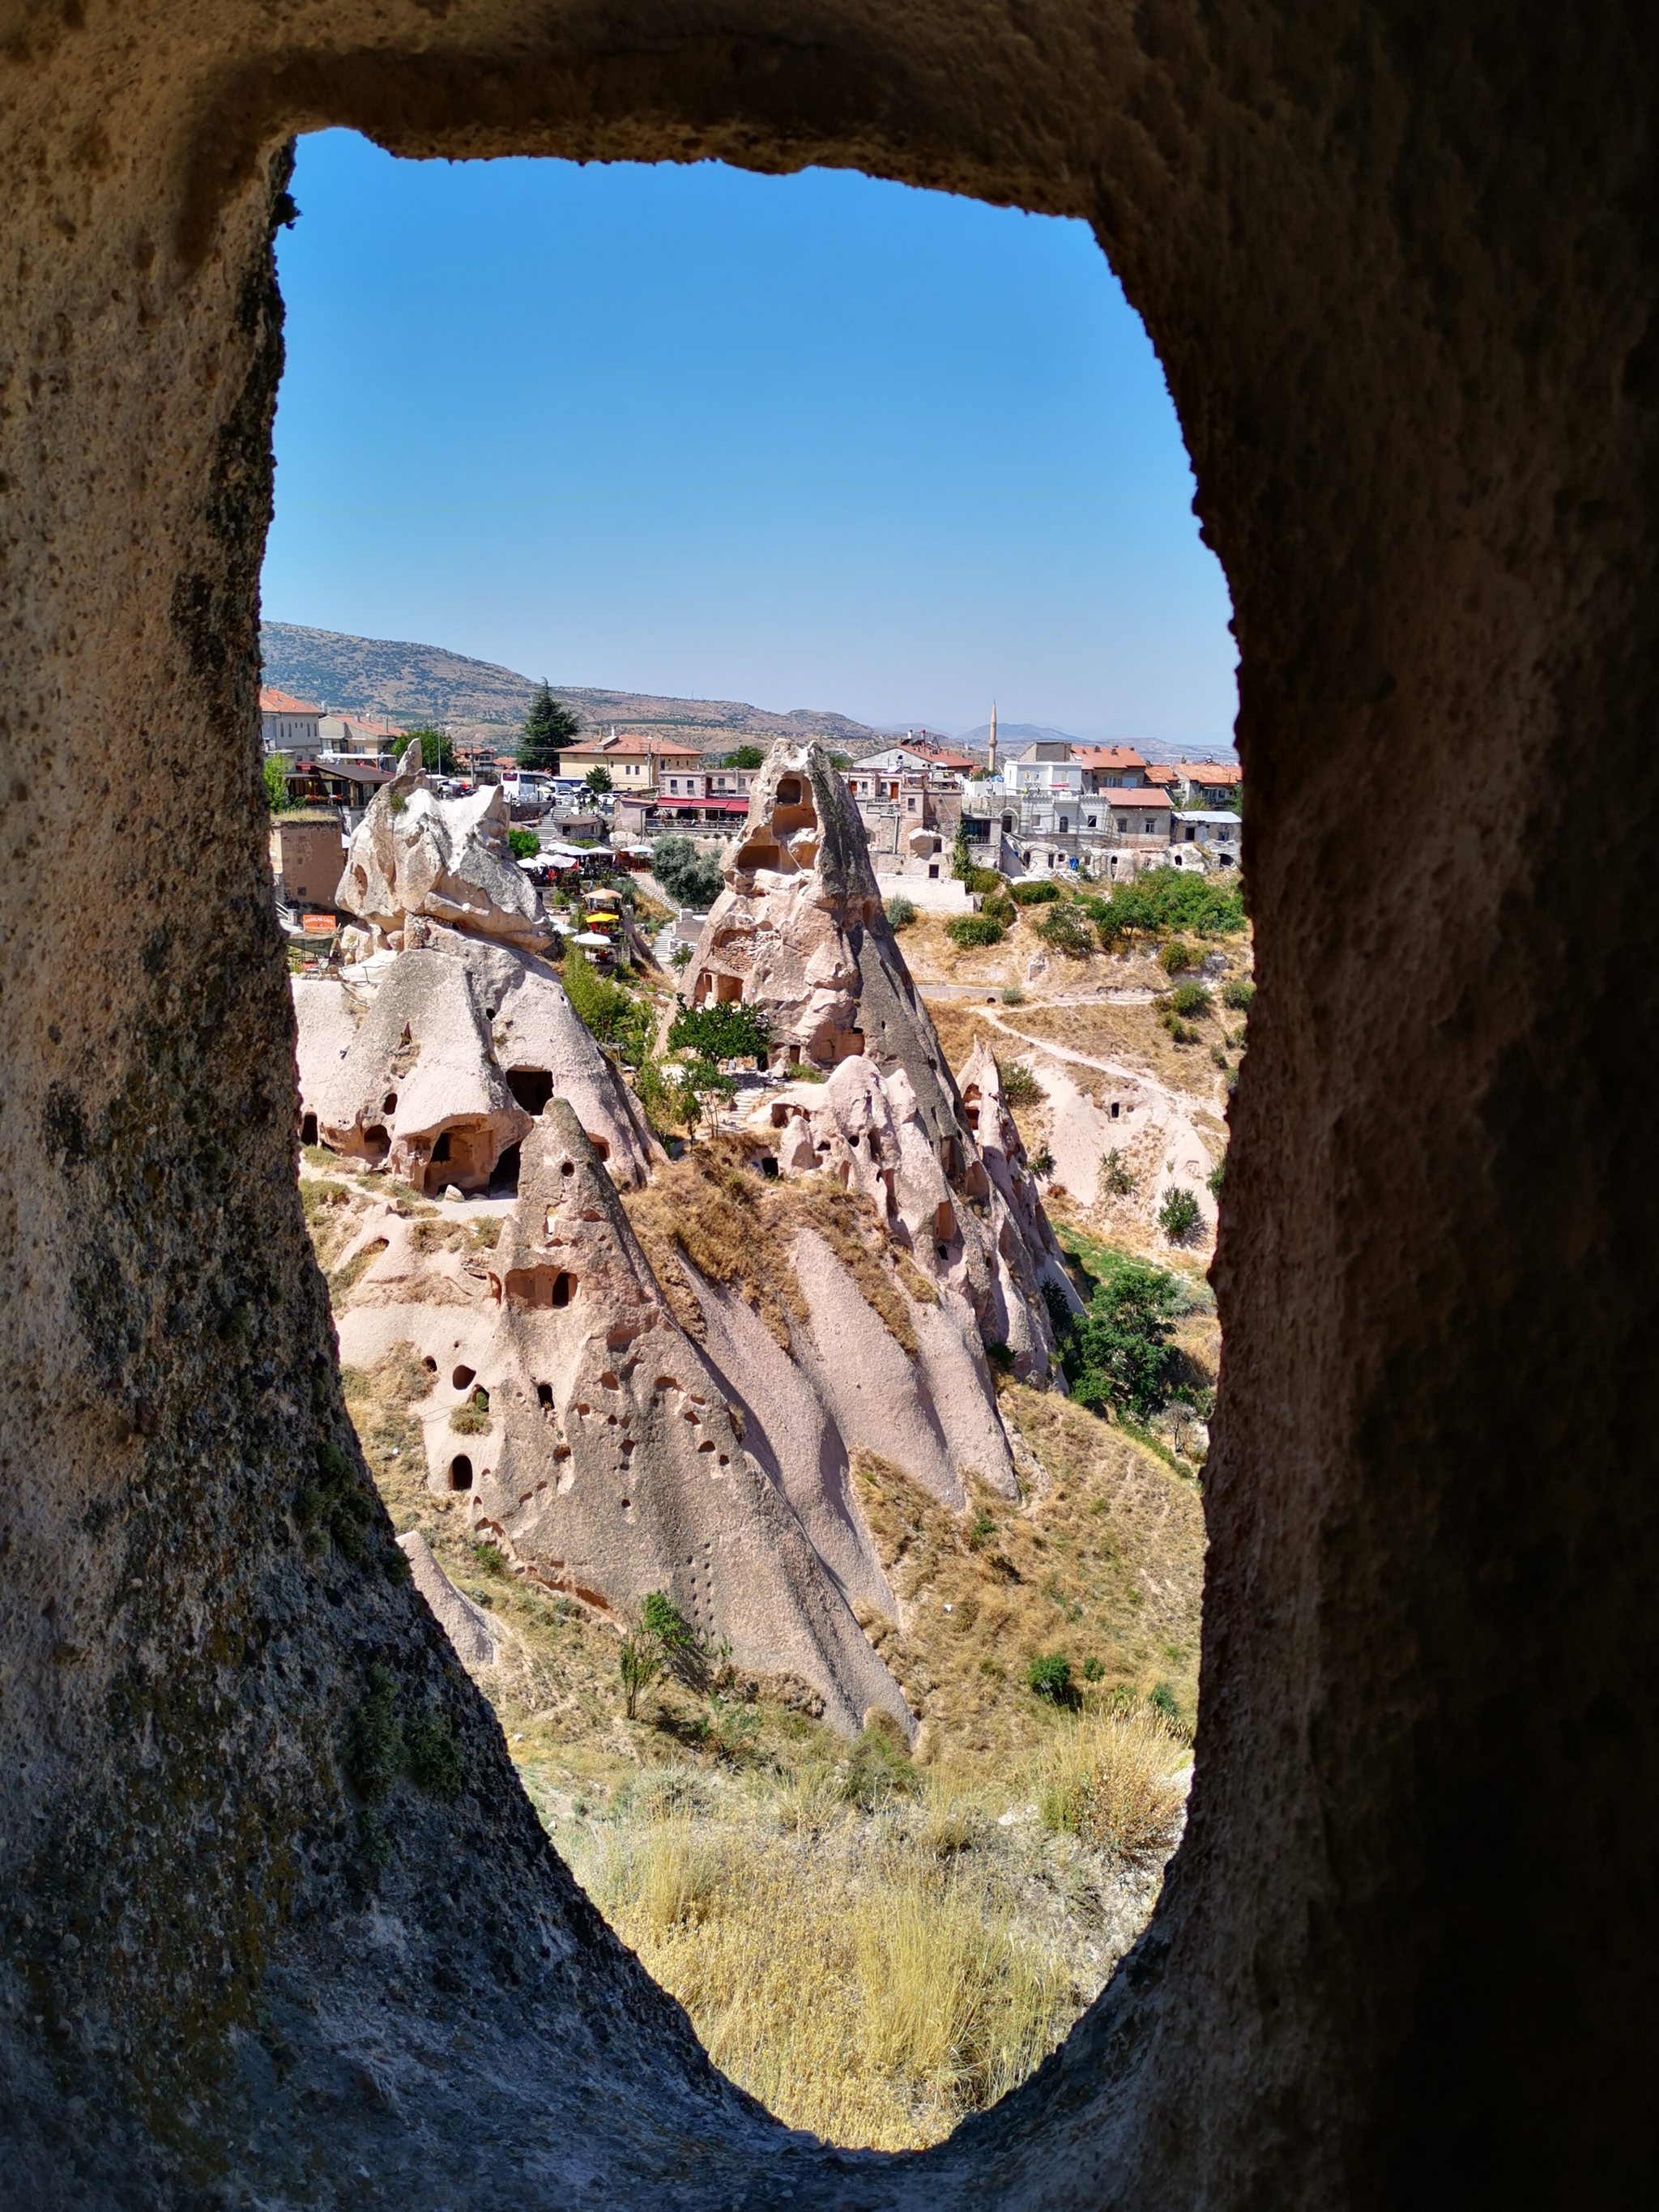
[(414, 683)]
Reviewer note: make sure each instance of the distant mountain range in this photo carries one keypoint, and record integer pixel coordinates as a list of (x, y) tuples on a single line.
[(411, 684), (1026, 733)]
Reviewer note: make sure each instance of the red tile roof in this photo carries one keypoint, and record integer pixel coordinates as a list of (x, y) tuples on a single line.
[(1215, 771), (1100, 757), (284, 702), (634, 746), (1131, 795), (1160, 773)]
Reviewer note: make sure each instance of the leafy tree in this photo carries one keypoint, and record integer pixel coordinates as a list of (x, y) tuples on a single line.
[(523, 844), (1064, 930), (692, 877), (1189, 998), (745, 756), (1123, 1353), (961, 865), (1165, 900), (546, 730), (1237, 991), (597, 781), (717, 1033), (701, 1079), (276, 783), (639, 1663), (437, 754)]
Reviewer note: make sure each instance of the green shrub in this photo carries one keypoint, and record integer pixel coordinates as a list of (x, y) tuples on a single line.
[(1050, 1676), (1189, 998), (1178, 1216), (1093, 1669), (881, 1766), (1001, 910), (1162, 1699), (1116, 1179), (1034, 892), (523, 844), (985, 881), (1218, 1175), (967, 930), (1064, 930), (1019, 1086), (1041, 1164), (435, 1757), (680, 958), (1175, 955), (375, 1751), (1167, 899), (899, 912), (1237, 991), (1014, 996), (613, 1015)]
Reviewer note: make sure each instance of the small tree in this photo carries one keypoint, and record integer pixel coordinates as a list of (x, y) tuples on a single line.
[(701, 1079), (276, 783), (437, 754), (745, 756), (523, 844), (546, 730), (597, 782), (1178, 1216), (1050, 1676), (1064, 930), (691, 877), (639, 1663)]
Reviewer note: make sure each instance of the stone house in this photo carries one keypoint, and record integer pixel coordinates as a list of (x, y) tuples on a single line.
[(306, 855)]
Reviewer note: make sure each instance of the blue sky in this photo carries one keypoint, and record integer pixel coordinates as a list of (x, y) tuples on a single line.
[(808, 441)]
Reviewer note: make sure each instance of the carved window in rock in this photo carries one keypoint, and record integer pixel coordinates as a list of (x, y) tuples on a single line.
[(539, 1290)]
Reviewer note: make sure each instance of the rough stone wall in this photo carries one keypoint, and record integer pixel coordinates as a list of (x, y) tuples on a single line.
[(1401, 268)]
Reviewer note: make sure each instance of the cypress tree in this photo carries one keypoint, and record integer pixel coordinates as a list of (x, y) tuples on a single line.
[(548, 728)]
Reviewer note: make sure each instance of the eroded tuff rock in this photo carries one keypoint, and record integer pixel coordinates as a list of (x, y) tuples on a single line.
[(448, 860), (613, 1466), (800, 931)]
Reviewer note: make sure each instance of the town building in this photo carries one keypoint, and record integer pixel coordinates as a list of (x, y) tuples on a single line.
[(1208, 783), (287, 725), (1109, 767), (1219, 831), (307, 853), (636, 764)]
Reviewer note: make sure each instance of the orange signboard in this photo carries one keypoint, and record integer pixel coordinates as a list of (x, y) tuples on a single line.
[(317, 924)]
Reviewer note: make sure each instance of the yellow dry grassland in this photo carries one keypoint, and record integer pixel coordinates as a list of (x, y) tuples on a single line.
[(738, 1228), (874, 1942)]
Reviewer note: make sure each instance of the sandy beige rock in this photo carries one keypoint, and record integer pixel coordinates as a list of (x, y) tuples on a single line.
[(476, 1636), (448, 860)]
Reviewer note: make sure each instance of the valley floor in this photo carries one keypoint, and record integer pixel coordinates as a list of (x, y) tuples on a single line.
[(874, 1943)]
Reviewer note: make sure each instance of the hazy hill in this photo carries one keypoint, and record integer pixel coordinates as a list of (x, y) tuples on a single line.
[(418, 682), (1018, 735)]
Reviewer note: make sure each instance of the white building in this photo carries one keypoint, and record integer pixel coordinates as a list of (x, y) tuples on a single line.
[(287, 725)]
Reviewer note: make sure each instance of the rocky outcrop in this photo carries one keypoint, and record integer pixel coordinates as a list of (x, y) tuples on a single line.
[(476, 1636), (615, 1467), (800, 931), (448, 860)]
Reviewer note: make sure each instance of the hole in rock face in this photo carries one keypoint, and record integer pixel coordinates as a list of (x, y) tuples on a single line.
[(462, 1378), (567, 1167), (504, 1175), (601, 1145), (789, 790), (430, 1365), (440, 1149), (308, 1130), (389, 1103), (563, 1289), (539, 1288), (545, 1394), (378, 1142), (460, 1471), (532, 1087)]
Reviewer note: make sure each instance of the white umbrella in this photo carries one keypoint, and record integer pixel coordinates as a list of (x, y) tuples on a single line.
[(591, 936)]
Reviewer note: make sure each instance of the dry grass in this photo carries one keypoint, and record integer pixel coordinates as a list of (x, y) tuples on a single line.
[(1110, 1779), (838, 1972), (737, 1228)]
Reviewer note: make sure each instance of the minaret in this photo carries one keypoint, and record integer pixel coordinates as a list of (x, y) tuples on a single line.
[(991, 752)]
